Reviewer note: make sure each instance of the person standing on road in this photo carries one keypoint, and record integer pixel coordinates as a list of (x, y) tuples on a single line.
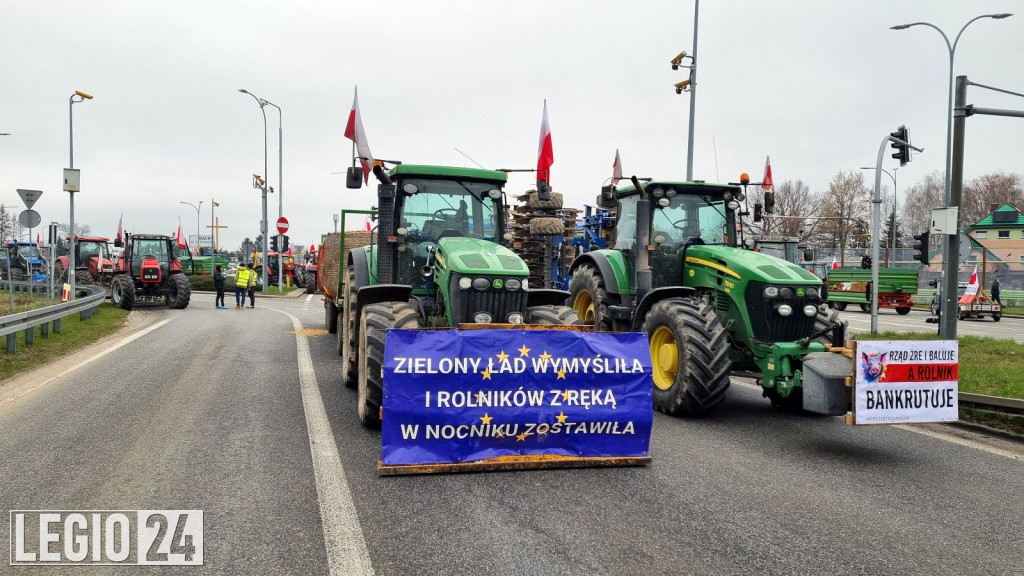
[(218, 284), (241, 285), (995, 292), (252, 287)]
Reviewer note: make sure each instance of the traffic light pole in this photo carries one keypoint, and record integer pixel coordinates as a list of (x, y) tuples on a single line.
[(951, 245)]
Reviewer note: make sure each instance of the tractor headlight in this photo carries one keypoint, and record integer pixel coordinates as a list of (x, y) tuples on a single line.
[(664, 202), (465, 283), (658, 192), (812, 292), (811, 310), (784, 309), (671, 193), (512, 284), (733, 205), (786, 292), (481, 283), (482, 317), (771, 291), (515, 318)]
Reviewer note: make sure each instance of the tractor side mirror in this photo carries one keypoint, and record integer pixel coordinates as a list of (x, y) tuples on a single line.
[(354, 177), (118, 243), (808, 255), (607, 197)]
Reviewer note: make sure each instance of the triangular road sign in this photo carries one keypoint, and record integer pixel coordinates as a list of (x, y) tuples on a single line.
[(29, 197)]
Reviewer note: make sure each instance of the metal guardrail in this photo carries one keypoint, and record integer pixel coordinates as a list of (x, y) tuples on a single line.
[(85, 306), (1012, 404)]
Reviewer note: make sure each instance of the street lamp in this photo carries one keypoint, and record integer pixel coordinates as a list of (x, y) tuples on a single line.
[(894, 195), (82, 96), (280, 194), (199, 230), (262, 184), (949, 106), (214, 231)]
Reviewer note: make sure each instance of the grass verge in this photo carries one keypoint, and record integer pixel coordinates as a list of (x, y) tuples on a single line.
[(74, 334)]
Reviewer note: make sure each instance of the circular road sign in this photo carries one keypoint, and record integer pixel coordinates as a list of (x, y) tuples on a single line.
[(282, 225), (29, 218)]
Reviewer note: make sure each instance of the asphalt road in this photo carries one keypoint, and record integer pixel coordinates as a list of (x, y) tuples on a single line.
[(241, 414), (916, 321)]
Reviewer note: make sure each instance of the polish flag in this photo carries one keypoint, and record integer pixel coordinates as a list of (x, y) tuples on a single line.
[(766, 182), (835, 263), (974, 277), (180, 239), (354, 132), (312, 247), (369, 225), (545, 152), (120, 229), (972, 289), (39, 240), (616, 168)]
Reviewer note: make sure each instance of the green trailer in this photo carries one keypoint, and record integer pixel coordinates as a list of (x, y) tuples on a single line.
[(896, 288)]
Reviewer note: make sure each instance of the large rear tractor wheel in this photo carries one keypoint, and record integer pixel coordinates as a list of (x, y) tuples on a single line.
[(552, 316), (589, 298), (903, 310), (122, 292), (181, 291), (330, 316), (347, 333), (309, 279), (689, 356), (58, 272), (374, 322)]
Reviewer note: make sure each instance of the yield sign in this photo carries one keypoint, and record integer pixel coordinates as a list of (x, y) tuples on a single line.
[(282, 225), (29, 197)]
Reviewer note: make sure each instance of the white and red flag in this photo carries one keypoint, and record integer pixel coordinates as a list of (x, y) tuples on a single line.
[(835, 263), (180, 239), (39, 240), (972, 288), (120, 229), (766, 182), (545, 151), (354, 132), (974, 277), (616, 168)]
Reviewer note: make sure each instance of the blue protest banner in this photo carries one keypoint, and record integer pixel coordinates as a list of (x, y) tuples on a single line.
[(463, 396)]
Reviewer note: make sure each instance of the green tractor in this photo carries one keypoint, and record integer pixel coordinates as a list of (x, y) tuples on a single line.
[(673, 269), (438, 258)]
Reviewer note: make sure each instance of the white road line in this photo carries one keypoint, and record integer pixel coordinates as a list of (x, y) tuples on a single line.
[(343, 536), (930, 433), (119, 344)]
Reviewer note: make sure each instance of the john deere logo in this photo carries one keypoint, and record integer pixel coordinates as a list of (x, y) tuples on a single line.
[(800, 292), (497, 283), (692, 272)]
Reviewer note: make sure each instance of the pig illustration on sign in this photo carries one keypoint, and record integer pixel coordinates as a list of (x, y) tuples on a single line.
[(873, 366)]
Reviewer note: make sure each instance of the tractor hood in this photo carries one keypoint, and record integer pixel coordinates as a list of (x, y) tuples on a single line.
[(475, 256), (737, 263)]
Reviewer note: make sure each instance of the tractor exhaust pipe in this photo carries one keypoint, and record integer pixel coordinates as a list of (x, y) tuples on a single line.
[(644, 278)]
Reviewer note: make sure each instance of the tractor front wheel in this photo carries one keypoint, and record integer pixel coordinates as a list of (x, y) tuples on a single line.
[(374, 321), (347, 332), (552, 316), (588, 296), (58, 271), (122, 292), (83, 278), (330, 316), (689, 356), (181, 291), (309, 279)]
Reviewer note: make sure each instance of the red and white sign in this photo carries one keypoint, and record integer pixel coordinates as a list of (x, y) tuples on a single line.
[(282, 225), (903, 381)]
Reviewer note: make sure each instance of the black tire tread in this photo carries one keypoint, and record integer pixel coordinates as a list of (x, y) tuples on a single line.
[(588, 278), (183, 292), (376, 320), (551, 315)]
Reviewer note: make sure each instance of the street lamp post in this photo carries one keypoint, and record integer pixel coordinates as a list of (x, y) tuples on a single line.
[(199, 230), (894, 196), (82, 96), (949, 106), (280, 195), (262, 184)]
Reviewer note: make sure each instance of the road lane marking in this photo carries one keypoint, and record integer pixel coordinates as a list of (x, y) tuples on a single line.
[(343, 536), (124, 341)]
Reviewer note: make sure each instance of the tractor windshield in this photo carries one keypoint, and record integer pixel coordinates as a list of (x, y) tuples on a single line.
[(27, 250), (450, 207), (89, 249), (688, 218)]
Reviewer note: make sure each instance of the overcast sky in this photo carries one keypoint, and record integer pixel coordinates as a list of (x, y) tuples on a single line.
[(814, 84)]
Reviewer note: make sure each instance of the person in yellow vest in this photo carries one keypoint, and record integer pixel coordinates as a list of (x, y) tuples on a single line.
[(242, 285)]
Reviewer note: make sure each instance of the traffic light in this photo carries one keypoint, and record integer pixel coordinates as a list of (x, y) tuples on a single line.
[(921, 247), (757, 212), (902, 150), (285, 247), (273, 244), (769, 201)]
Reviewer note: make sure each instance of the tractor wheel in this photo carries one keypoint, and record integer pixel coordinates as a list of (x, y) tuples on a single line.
[(58, 271), (589, 298), (547, 227), (309, 279), (825, 319), (347, 333), (122, 291), (330, 316), (840, 306), (181, 291), (689, 356), (903, 310), (17, 275), (554, 203), (83, 278), (866, 308), (552, 316), (374, 321)]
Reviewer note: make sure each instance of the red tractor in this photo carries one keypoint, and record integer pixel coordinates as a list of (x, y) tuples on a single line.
[(149, 271), (93, 262), (292, 270)]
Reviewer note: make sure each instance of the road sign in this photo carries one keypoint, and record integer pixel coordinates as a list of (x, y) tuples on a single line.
[(965, 248), (29, 218), (282, 225), (29, 197)]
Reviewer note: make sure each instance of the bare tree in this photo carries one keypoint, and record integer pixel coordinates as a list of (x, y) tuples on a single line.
[(921, 198), (990, 191), (846, 204)]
